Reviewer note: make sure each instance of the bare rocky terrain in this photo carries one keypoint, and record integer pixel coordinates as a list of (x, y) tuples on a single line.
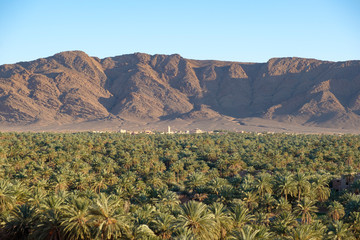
[(72, 91)]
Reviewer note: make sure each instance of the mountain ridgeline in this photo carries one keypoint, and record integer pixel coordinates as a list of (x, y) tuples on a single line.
[(73, 87)]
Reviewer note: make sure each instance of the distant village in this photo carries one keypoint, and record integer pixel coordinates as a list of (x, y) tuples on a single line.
[(199, 131), (169, 131)]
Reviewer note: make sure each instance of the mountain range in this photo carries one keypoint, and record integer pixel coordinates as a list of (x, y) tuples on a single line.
[(72, 87)]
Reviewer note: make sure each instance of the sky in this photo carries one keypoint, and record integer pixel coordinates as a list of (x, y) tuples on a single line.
[(244, 31)]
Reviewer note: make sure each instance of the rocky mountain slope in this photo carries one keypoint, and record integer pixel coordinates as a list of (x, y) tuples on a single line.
[(73, 87)]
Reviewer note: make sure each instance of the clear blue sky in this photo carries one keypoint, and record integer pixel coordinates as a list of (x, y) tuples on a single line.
[(252, 31)]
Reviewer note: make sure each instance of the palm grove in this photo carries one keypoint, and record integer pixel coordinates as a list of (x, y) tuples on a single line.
[(230, 186)]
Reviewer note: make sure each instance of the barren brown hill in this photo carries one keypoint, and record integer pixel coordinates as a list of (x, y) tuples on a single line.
[(72, 87)]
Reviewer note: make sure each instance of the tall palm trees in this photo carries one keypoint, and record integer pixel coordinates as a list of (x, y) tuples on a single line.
[(282, 206), (246, 233), (340, 231), (21, 222), (321, 188), (336, 211), (222, 219), (302, 184), (267, 202), (263, 184), (166, 198), (251, 199), (355, 223), (49, 226), (108, 221), (198, 220), (306, 209), (241, 216), (7, 199), (163, 223), (194, 181), (305, 232), (76, 221), (284, 223), (120, 188), (286, 185)]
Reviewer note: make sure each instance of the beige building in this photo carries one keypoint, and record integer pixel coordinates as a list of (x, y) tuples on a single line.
[(196, 130), (340, 184)]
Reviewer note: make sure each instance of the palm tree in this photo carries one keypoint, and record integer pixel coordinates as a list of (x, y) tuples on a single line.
[(42, 184), (355, 186), (264, 233), (283, 206), (60, 182), (49, 226), (306, 208), (163, 225), (321, 188), (106, 219), (286, 185), (98, 184), (76, 219), (305, 232), (263, 184), (284, 223), (267, 202), (54, 202), (340, 231), (195, 181), (222, 218), (51, 210), (37, 196), (336, 211), (319, 228), (241, 216), (226, 193), (7, 199), (141, 232), (185, 234), (248, 183), (246, 233), (144, 214), (167, 198), (302, 184), (22, 221), (355, 223), (262, 218), (176, 168), (351, 202), (195, 217), (216, 184), (81, 181), (251, 199)]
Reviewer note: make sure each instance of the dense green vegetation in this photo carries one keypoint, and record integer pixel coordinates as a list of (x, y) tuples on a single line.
[(230, 186)]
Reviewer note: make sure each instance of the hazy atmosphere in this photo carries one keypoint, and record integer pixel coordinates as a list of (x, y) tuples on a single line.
[(250, 31)]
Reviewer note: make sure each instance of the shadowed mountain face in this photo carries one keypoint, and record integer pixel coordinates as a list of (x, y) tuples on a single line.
[(71, 86)]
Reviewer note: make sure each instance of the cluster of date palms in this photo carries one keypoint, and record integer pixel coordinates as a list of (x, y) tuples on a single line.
[(233, 186)]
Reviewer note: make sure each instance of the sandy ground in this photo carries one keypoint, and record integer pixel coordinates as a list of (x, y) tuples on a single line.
[(231, 124)]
